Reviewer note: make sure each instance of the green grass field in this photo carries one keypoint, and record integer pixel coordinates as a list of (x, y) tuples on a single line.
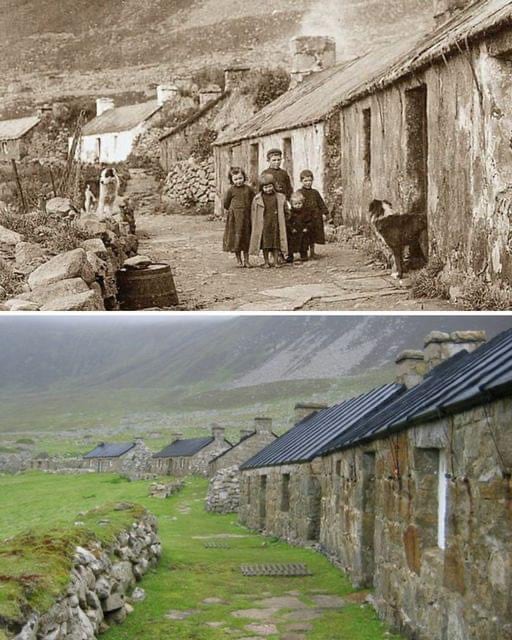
[(188, 572)]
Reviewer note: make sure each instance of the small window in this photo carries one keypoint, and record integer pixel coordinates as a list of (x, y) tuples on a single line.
[(338, 468), (285, 492), (5, 148), (367, 143)]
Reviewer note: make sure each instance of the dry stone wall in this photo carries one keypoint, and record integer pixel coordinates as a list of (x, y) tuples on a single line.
[(190, 184), (224, 491), (101, 585)]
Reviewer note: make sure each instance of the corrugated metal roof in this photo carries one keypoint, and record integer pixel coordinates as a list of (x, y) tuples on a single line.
[(180, 448), (110, 450), (14, 129), (121, 118), (315, 98), (467, 379), (307, 438)]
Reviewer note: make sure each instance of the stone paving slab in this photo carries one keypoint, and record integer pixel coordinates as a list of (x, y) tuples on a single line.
[(283, 602), (255, 614), (262, 629), (329, 602)]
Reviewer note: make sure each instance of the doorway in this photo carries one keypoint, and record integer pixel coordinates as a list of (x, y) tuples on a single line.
[(368, 510), (263, 502), (416, 125)]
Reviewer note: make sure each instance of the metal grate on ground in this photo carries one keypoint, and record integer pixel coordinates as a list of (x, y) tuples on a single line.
[(216, 544), (275, 570)]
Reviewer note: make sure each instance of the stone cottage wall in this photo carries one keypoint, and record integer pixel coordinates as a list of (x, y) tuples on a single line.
[(283, 501), (242, 451), (190, 183), (197, 464), (101, 582), (224, 491)]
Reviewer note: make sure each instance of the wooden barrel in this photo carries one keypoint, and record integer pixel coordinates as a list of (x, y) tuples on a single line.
[(145, 288)]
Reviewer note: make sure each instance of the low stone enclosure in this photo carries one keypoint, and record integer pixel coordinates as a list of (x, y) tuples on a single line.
[(191, 183), (102, 583), (415, 499)]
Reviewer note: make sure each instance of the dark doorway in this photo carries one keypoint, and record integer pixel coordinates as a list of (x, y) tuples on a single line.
[(254, 164), (314, 494), (288, 156), (417, 147), (263, 502), (367, 143), (368, 536)]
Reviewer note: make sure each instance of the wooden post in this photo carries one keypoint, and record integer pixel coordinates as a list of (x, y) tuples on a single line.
[(52, 181), (18, 182)]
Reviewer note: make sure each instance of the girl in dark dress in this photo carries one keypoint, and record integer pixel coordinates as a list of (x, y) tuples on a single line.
[(269, 222), (318, 208), (298, 228), (237, 203)]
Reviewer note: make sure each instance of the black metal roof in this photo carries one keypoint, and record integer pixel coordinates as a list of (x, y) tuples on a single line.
[(463, 381), (180, 448), (307, 438), (110, 450)]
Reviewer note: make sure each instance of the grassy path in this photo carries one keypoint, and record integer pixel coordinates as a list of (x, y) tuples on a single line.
[(195, 591)]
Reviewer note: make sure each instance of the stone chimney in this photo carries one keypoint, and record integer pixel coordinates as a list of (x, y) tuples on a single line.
[(445, 9), (138, 442), (208, 94), (165, 93), (309, 55), (440, 346), (306, 410), (104, 104), (410, 367), (245, 433), (262, 424), (218, 432), (234, 76)]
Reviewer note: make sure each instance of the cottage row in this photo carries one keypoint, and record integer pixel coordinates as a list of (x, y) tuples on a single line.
[(408, 488)]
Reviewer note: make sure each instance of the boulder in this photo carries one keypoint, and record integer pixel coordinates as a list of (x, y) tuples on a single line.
[(16, 304), (60, 206), (138, 595), (114, 602), (87, 301), (96, 246), (29, 256), (9, 237), (123, 574), (92, 225), (72, 264), (46, 294)]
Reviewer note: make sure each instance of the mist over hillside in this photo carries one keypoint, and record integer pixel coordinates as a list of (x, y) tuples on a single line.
[(81, 46)]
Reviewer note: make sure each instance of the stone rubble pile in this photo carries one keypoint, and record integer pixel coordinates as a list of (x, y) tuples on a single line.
[(82, 279), (160, 490), (101, 583), (224, 491), (190, 183)]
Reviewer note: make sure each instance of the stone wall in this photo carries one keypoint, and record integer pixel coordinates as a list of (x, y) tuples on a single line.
[(190, 465), (242, 451), (224, 491), (190, 183), (102, 583), (423, 516)]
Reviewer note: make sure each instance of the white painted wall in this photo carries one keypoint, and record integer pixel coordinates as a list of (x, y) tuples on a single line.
[(114, 147)]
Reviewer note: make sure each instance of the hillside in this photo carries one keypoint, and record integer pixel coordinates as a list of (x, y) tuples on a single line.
[(81, 47)]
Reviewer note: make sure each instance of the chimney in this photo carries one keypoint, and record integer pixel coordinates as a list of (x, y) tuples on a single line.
[(411, 368), (445, 9), (234, 76), (138, 442), (104, 104), (307, 409), (245, 433), (262, 425), (209, 93), (218, 432), (440, 346), (309, 55), (165, 93)]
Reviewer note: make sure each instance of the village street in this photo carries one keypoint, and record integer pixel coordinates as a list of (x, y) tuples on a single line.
[(342, 278)]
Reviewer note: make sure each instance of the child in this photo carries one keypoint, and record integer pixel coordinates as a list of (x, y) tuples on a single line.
[(299, 228), (318, 208), (283, 183), (268, 221), (89, 198), (237, 203)]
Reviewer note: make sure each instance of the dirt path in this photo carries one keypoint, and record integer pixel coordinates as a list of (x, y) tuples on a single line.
[(206, 278)]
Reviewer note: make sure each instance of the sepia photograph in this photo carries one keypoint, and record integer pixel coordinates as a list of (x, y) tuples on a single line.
[(282, 477), (288, 155)]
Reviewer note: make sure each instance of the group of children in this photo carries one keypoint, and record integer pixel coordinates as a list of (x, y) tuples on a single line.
[(276, 220)]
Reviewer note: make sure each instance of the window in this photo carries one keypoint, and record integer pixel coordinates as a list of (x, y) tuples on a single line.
[(285, 492), (5, 148), (367, 143), (338, 468), (431, 496)]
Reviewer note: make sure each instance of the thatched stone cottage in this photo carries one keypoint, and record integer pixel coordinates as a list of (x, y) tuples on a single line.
[(423, 122), (415, 498), (279, 488), (110, 136), (190, 456), (251, 441), (15, 137), (117, 457)]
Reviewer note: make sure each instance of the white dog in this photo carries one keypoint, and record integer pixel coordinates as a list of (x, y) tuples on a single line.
[(109, 189)]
